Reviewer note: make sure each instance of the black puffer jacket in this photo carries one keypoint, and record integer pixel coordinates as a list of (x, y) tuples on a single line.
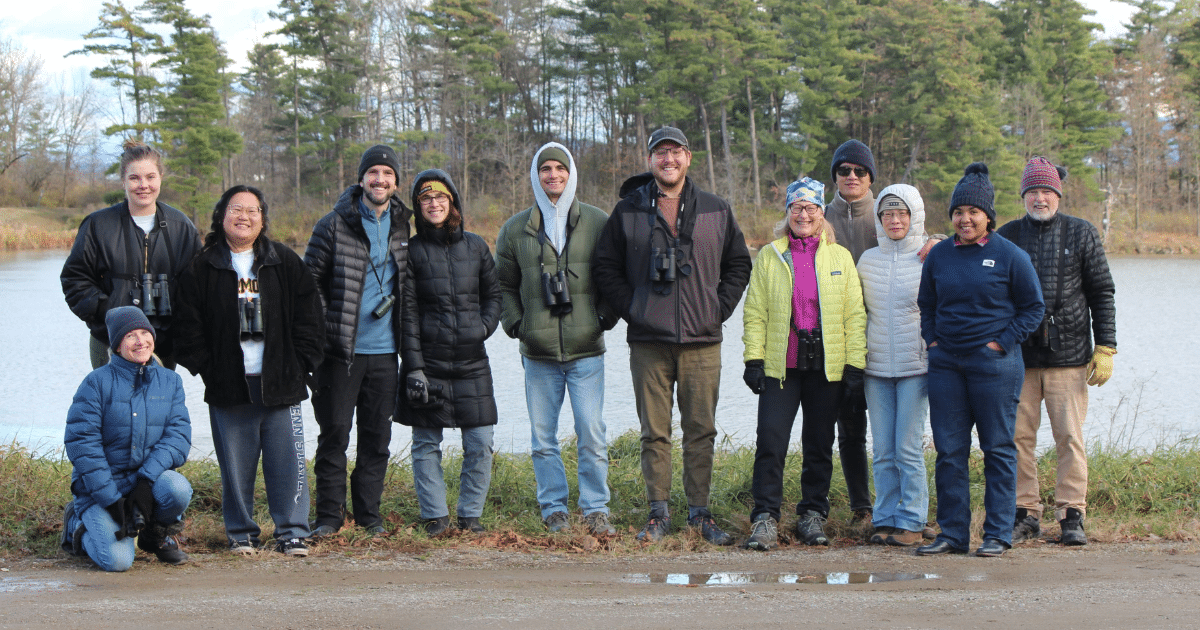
[(104, 269), (338, 254), (208, 330), (692, 308), (451, 305), (1087, 304)]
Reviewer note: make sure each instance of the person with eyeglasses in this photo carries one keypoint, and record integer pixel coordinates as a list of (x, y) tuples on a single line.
[(358, 255), (805, 349), (673, 263), (128, 254), (979, 299), (252, 326), (895, 381), (451, 306)]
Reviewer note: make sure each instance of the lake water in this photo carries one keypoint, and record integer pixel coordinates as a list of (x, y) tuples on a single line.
[(1147, 402)]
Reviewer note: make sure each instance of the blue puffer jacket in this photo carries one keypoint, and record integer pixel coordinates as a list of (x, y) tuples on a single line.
[(126, 421)]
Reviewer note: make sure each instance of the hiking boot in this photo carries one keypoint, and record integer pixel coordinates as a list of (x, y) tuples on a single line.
[(557, 521), (879, 536), (293, 547), (376, 531), (436, 526), (323, 531), (861, 515), (655, 529), (243, 547), (1028, 527), (598, 524), (764, 533), (71, 541), (904, 538), (704, 522), (160, 541), (929, 533), (471, 524), (1072, 529), (809, 529)]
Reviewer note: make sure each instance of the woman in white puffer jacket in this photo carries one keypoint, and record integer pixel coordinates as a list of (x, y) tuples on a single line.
[(897, 395)]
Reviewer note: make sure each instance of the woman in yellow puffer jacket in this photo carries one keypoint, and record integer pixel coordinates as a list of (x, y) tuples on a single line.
[(805, 349)]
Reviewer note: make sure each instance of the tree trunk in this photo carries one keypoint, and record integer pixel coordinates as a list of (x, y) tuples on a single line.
[(712, 178), (753, 149)]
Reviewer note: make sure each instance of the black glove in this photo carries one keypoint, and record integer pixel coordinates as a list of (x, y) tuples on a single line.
[(853, 397), (143, 497), (121, 512), (418, 387), (755, 376)]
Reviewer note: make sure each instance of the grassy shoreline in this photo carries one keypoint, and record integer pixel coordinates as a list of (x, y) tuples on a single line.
[(1133, 495)]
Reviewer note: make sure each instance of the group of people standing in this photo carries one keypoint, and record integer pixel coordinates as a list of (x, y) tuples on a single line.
[(385, 321)]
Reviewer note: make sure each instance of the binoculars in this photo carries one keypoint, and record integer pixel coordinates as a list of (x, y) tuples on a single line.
[(385, 305), (250, 319), (662, 264), (556, 292), (1046, 336), (417, 390), (810, 350), (156, 295)]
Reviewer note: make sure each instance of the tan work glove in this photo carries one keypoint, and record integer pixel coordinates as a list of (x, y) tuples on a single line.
[(1101, 367)]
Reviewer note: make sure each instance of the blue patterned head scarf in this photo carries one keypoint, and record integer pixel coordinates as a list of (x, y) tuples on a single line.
[(806, 189)]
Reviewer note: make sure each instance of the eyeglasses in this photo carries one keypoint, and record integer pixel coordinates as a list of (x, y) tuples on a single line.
[(675, 152), (247, 211), (859, 172), (810, 209), (438, 198), (895, 214)]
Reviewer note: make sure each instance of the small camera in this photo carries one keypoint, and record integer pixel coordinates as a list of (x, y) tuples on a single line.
[(385, 305)]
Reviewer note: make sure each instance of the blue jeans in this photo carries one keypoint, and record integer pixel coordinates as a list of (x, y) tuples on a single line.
[(473, 481), (172, 494), (898, 409), (240, 434), (981, 389), (546, 382)]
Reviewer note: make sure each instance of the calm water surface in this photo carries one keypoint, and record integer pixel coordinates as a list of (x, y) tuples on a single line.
[(1147, 402)]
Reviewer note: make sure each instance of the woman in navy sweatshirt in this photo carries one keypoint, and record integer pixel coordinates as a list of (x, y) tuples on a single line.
[(979, 299)]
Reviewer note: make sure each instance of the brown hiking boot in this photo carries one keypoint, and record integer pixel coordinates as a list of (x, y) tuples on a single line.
[(904, 538)]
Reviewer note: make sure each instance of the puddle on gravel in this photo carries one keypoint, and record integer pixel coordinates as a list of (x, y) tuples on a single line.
[(740, 578), (14, 585)]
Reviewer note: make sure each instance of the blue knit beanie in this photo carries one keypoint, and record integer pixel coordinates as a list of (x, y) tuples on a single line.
[(854, 152), (123, 319), (975, 189)]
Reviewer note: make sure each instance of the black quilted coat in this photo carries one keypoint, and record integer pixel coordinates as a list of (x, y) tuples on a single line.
[(451, 305), (338, 254), (1087, 307)]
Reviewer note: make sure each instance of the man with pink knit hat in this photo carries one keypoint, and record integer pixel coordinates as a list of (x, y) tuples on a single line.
[(1060, 360)]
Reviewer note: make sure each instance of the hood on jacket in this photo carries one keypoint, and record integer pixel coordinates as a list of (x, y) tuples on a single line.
[(554, 215), (442, 176), (916, 208), (634, 183)]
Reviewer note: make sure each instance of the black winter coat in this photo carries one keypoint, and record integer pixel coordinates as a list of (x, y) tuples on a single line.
[(451, 306), (338, 254), (104, 269), (692, 308), (208, 332), (1087, 306)]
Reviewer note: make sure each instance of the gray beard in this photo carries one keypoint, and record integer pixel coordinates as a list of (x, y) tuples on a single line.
[(1042, 216)]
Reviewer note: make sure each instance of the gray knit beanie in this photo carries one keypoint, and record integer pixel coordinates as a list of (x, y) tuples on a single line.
[(122, 320)]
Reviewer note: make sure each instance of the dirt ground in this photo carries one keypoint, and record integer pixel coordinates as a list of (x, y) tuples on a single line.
[(1116, 585)]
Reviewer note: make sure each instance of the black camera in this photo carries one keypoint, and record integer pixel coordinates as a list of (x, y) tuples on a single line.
[(556, 292), (810, 349), (385, 305), (1046, 336), (156, 295), (250, 319)]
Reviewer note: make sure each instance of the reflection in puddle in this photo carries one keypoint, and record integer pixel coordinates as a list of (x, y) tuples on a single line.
[(13, 585), (738, 578)]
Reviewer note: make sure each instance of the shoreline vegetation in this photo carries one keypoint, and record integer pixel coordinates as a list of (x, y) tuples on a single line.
[(49, 228), (1134, 495)]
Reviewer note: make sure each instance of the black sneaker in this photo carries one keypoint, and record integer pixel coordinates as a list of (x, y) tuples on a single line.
[(557, 521), (1072, 529), (293, 547), (704, 522), (810, 529), (1028, 527), (764, 533), (471, 524), (655, 529), (436, 526), (243, 547)]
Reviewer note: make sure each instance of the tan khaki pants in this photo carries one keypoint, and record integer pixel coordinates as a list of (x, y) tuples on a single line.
[(1064, 391)]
